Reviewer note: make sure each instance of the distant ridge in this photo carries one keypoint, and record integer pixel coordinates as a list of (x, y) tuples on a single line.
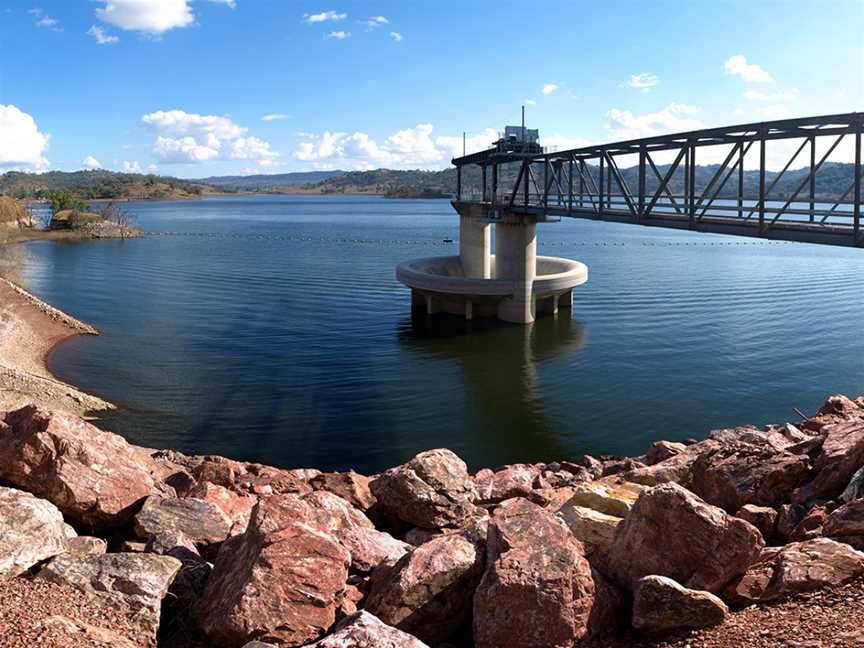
[(269, 181)]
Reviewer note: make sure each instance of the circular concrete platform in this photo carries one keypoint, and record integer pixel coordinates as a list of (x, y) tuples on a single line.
[(440, 283)]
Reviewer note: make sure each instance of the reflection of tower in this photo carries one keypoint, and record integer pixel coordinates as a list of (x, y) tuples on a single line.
[(507, 414)]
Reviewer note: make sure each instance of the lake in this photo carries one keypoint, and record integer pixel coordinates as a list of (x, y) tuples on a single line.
[(271, 328)]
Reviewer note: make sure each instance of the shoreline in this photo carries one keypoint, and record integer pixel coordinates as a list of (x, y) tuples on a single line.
[(30, 330)]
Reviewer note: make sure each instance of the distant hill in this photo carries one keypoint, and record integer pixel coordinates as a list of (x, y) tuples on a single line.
[(832, 180), (93, 185), (266, 182)]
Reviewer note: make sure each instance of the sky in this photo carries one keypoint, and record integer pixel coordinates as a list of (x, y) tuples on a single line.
[(194, 88)]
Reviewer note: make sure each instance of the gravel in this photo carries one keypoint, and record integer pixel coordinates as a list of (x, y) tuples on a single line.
[(25, 604), (827, 618)]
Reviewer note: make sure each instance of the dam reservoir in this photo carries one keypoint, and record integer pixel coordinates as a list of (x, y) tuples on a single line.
[(274, 329)]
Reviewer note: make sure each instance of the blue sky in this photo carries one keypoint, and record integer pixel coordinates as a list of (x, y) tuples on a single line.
[(182, 87)]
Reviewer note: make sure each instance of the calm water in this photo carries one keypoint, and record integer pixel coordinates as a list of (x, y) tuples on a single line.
[(272, 329)]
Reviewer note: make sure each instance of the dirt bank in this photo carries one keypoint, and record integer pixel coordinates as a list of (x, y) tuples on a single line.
[(29, 329)]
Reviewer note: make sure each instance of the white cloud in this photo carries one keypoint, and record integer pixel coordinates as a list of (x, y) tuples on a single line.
[(274, 117), (148, 16), (131, 167), (643, 81), (530, 102), (396, 36), (324, 16), (738, 66), (549, 88), (407, 148), (738, 111), (91, 162), (376, 21), (755, 95), (188, 138), (46, 21), (338, 35), (153, 168), (624, 125), (231, 4), (22, 145), (558, 142), (101, 36)]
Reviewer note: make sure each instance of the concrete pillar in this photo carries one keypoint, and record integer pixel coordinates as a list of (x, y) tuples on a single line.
[(516, 259), (550, 305), (566, 300), (431, 306), (469, 310), (417, 298), (475, 247)]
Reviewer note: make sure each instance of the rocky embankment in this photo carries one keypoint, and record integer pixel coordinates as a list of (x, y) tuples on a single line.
[(699, 543)]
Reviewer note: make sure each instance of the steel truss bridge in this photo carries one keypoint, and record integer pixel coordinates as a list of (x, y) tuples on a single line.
[(589, 183)]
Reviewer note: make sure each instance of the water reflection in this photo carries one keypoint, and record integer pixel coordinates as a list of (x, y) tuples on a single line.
[(501, 367)]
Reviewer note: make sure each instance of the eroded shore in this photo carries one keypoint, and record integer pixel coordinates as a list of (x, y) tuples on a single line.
[(29, 330)]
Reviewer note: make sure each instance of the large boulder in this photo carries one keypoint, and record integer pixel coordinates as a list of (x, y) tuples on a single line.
[(368, 546), (671, 532), (238, 508), (31, 530), (609, 495), (763, 518), (280, 581), (350, 486), (432, 491), (676, 468), (133, 582), (660, 605), (592, 528), (846, 524), (95, 478), (855, 489), (741, 473), (517, 480), (797, 567), (537, 589), (841, 457), (202, 522), (364, 630), (428, 593)]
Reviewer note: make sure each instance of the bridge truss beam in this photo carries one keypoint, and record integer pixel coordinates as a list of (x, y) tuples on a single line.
[(589, 182)]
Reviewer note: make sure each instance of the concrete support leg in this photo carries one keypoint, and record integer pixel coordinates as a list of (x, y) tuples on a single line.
[(417, 298), (516, 259), (566, 300), (475, 243), (469, 310), (431, 306), (550, 305)]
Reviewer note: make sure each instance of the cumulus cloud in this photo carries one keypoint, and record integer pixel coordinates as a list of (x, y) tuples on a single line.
[(324, 16), (396, 36), (338, 35), (131, 167), (22, 145), (188, 138), (643, 81), (149, 16), (91, 162), (549, 88), (558, 142), (101, 36), (624, 125), (274, 117), (407, 148), (751, 72), (376, 21)]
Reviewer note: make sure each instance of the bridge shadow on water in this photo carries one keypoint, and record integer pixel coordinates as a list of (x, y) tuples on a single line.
[(506, 418)]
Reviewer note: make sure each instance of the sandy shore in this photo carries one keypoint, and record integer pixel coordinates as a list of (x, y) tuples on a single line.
[(29, 329)]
